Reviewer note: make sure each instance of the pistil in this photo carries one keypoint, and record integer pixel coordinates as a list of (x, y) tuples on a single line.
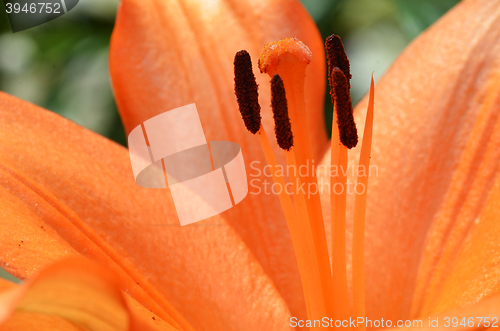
[(289, 58)]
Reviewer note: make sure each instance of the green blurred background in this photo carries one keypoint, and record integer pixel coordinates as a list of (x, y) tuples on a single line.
[(63, 65)]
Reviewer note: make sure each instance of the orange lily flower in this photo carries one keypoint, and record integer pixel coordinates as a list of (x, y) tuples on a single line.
[(431, 227)]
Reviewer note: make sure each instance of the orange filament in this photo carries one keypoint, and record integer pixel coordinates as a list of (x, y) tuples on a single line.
[(300, 233), (289, 59), (318, 308), (358, 242), (338, 188)]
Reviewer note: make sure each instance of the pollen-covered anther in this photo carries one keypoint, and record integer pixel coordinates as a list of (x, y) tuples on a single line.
[(279, 104), (282, 51), (337, 57), (246, 90), (341, 97)]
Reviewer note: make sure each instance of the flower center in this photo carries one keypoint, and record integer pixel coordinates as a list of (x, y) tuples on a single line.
[(324, 285)]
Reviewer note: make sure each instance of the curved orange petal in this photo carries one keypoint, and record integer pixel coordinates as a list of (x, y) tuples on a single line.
[(6, 285), (167, 54), (436, 149), (74, 294), (65, 191), (21, 321), (8, 291)]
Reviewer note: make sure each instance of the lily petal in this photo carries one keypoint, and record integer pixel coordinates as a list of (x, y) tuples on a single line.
[(479, 316), (166, 54), (74, 294), (6, 285), (436, 152), (65, 191), (473, 273)]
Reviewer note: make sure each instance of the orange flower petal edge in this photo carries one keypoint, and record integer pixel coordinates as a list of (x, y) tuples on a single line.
[(73, 294), (65, 191)]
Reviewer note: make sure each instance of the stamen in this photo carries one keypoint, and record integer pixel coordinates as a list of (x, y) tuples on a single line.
[(341, 97), (246, 90), (305, 249), (289, 58), (337, 57), (279, 105), (302, 243), (339, 75)]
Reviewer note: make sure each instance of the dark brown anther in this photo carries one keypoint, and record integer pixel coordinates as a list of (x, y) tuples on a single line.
[(246, 90), (342, 100), (282, 126), (337, 58)]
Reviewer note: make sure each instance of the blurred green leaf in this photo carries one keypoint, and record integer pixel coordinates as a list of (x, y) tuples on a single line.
[(63, 66), (319, 9), (323, 11), (416, 16)]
